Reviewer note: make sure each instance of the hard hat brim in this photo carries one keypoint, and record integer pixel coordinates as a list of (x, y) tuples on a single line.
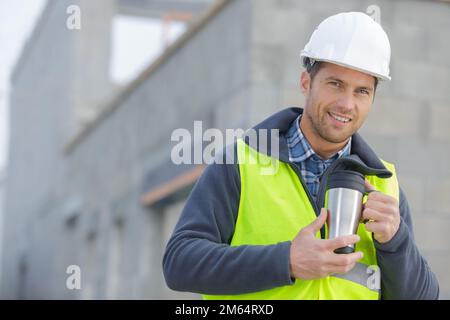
[(374, 74)]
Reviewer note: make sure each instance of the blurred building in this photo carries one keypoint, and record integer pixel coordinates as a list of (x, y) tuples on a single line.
[(90, 181)]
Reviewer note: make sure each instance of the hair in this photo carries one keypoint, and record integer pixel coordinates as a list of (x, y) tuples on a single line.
[(312, 67)]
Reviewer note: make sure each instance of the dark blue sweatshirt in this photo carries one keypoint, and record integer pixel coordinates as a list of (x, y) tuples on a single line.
[(198, 257)]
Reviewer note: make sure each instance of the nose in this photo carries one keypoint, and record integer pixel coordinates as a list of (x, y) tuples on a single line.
[(346, 102)]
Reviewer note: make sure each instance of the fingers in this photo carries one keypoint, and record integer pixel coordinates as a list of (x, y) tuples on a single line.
[(381, 197), (317, 224), (378, 211), (377, 195), (377, 227), (342, 263), (376, 205), (341, 260), (371, 214), (339, 242)]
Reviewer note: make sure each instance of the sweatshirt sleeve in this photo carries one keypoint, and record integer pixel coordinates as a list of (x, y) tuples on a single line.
[(405, 274), (198, 257)]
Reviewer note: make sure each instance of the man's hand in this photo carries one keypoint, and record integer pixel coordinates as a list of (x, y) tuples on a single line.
[(383, 214), (313, 258)]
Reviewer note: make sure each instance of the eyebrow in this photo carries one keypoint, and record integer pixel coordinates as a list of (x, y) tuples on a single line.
[(340, 81)]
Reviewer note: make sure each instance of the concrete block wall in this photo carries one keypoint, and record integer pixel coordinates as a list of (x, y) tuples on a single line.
[(90, 213), (196, 83), (40, 107)]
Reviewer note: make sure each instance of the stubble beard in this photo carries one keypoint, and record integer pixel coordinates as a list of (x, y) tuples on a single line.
[(320, 127)]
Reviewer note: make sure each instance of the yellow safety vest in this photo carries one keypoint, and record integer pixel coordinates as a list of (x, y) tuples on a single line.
[(274, 207)]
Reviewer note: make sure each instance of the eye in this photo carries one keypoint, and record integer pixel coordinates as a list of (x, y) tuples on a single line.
[(364, 91), (335, 84)]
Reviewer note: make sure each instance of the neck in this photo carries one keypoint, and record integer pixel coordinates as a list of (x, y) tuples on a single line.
[(325, 149)]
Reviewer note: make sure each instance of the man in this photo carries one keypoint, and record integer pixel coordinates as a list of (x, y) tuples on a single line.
[(247, 235)]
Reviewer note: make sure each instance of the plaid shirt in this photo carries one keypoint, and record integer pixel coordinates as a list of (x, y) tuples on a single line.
[(303, 156)]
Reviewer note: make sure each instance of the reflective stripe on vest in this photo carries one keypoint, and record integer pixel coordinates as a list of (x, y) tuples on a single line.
[(364, 275), (274, 206)]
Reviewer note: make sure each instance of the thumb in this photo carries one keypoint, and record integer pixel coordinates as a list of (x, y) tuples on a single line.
[(368, 185), (317, 224)]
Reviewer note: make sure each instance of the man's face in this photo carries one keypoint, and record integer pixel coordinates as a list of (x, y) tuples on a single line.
[(338, 101)]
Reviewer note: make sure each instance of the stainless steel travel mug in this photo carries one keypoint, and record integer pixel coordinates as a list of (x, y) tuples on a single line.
[(344, 194)]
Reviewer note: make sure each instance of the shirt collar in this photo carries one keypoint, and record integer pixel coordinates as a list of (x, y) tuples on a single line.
[(300, 149)]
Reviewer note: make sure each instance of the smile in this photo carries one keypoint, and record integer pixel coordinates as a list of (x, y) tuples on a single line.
[(339, 118)]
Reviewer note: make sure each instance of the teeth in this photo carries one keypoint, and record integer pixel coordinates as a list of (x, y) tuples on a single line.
[(341, 119)]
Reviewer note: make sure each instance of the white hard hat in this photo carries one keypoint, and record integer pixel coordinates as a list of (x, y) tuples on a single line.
[(353, 40)]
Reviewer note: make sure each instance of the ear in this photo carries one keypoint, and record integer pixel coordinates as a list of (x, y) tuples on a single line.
[(305, 83)]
